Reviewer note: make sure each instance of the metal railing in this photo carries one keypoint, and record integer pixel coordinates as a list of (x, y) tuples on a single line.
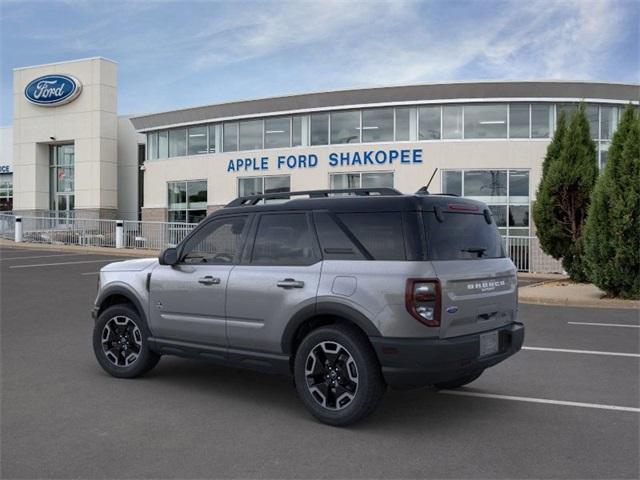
[(154, 235), (69, 231), (526, 254), (7, 226)]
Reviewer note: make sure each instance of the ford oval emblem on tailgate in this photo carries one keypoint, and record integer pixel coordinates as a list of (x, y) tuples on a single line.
[(453, 309)]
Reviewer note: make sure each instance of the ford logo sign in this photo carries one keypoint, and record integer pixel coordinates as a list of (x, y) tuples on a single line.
[(53, 90)]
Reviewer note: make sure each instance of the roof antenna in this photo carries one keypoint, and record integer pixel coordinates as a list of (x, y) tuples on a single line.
[(425, 190)]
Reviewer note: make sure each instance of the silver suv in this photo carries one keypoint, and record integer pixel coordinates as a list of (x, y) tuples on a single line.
[(347, 290)]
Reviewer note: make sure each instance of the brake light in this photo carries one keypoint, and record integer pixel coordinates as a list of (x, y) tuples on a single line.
[(422, 299), (463, 207)]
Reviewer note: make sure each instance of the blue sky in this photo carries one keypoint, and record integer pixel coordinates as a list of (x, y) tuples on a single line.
[(185, 53)]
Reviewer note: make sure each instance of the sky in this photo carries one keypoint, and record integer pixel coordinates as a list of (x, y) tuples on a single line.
[(176, 54)]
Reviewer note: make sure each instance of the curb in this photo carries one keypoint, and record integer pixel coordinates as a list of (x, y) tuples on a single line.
[(567, 302)]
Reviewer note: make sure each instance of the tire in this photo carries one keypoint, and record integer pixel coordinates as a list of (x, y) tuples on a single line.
[(337, 375), (127, 334), (458, 382)]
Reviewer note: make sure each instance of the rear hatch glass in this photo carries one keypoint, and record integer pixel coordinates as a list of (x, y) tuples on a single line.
[(461, 236)]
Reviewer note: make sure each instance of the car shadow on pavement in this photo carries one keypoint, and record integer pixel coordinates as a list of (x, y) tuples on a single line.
[(404, 410)]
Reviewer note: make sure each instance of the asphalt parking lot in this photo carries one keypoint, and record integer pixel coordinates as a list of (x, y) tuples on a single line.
[(565, 407)]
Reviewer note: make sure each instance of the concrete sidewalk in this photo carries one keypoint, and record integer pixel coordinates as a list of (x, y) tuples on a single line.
[(125, 252), (561, 291)]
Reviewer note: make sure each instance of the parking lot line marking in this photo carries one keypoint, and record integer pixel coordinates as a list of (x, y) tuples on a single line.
[(588, 352), (600, 406), (65, 263), (41, 256), (604, 324)]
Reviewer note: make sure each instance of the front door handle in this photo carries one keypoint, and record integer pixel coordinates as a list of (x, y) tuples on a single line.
[(290, 283), (209, 280)]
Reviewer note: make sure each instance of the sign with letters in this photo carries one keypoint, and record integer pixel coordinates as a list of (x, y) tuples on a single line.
[(358, 158), (53, 90), (5, 168)]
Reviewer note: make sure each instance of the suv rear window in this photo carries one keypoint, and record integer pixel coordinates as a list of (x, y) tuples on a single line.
[(461, 236)]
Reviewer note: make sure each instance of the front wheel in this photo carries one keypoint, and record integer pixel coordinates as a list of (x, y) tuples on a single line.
[(337, 375), (120, 342)]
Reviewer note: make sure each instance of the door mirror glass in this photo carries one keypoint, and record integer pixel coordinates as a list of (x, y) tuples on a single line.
[(168, 256)]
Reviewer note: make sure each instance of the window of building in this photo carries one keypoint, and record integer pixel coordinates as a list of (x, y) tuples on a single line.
[(320, 129), (339, 181), (152, 146), (377, 125), (187, 201), (230, 137), (218, 243), (345, 127), (61, 179), (541, 120), (380, 233), (519, 120), (178, 142), (429, 123), (592, 113), (260, 185), (284, 239), (277, 132), (485, 121), (506, 192), (251, 135), (163, 144), (296, 131), (608, 121), (197, 140), (452, 182), (452, 121), (403, 124), (212, 138), (6, 192)]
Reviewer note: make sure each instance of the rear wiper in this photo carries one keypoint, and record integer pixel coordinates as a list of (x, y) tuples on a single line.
[(479, 250)]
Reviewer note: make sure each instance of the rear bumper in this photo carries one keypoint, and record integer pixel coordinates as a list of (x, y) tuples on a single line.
[(412, 363)]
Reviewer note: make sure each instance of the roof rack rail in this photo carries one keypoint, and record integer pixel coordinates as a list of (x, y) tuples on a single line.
[(360, 192)]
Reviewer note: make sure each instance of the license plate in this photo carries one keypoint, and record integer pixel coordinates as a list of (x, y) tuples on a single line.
[(488, 344)]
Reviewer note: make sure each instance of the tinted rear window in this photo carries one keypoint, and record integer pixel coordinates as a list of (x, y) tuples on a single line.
[(381, 234), (461, 236)]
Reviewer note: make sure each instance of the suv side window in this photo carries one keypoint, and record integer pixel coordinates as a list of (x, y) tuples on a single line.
[(218, 242), (335, 243), (382, 233), (284, 239)]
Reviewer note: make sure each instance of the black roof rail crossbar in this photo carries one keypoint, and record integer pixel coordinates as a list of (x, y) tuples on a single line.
[(254, 199)]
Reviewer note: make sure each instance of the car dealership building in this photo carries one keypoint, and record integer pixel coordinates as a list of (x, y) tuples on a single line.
[(76, 156)]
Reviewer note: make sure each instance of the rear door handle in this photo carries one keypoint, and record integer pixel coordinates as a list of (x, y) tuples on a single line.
[(209, 280), (290, 283)]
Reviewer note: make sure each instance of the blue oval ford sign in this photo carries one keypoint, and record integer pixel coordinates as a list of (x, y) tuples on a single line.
[(52, 90)]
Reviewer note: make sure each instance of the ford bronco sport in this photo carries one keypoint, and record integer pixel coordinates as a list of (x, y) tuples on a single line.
[(347, 290)]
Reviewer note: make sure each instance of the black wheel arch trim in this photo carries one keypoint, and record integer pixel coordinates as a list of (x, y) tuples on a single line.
[(122, 291), (328, 309)]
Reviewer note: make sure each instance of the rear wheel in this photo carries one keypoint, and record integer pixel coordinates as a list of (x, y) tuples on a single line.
[(120, 342), (458, 382), (337, 375)]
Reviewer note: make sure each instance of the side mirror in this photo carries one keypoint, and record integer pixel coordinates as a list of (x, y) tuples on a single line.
[(168, 256)]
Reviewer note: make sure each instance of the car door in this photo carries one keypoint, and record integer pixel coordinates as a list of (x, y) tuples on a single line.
[(187, 300), (279, 276)]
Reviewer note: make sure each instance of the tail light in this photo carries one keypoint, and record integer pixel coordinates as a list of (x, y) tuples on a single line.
[(422, 298)]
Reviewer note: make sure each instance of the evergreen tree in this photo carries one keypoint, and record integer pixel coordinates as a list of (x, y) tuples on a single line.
[(563, 197), (612, 233)]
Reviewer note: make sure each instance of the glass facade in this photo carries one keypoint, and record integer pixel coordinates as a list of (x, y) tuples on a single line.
[(6, 192), (360, 180), (384, 124), (260, 185), (62, 179), (506, 192), (187, 201)]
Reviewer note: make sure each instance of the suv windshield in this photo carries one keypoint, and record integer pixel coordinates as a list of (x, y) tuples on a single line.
[(461, 236)]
